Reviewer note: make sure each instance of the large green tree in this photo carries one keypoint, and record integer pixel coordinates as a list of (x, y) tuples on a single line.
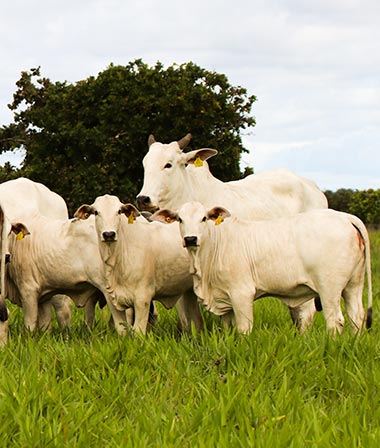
[(89, 138)]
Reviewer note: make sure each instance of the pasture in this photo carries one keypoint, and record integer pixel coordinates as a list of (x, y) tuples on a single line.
[(272, 388)]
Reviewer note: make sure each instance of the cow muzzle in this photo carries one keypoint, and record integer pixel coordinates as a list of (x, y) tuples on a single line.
[(109, 236), (145, 203), (190, 241)]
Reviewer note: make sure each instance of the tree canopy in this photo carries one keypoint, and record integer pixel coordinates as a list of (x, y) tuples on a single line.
[(88, 138)]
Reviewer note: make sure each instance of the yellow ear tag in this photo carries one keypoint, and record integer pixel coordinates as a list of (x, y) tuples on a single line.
[(86, 215), (20, 235), (219, 220), (198, 162), (131, 219)]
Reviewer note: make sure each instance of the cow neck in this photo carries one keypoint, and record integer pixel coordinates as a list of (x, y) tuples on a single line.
[(117, 255), (201, 184)]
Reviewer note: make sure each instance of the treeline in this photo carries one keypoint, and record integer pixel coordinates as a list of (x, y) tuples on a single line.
[(363, 203), (83, 139)]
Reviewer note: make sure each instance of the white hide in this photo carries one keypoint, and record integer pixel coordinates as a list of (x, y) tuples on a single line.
[(59, 256), (173, 177), (143, 261), (319, 253), (26, 196)]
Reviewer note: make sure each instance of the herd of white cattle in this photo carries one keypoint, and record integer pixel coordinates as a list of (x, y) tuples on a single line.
[(219, 244)]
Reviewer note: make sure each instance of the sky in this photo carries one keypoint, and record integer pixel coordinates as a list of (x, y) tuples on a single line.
[(314, 67)]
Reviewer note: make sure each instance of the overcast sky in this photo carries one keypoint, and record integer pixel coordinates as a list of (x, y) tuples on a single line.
[(313, 65)]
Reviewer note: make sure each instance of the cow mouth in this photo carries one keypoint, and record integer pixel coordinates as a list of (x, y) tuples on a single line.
[(109, 240), (190, 242)]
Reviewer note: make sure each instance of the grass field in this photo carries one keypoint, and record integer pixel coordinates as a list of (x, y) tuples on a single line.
[(273, 388)]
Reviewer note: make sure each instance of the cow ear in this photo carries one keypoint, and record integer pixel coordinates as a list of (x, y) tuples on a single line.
[(129, 210), (151, 140), (19, 229), (218, 215), (198, 156), (84, 211), (166, 216)]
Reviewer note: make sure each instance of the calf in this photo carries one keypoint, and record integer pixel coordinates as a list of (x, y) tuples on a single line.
[(321, 253), (58, 256), (173, 177), (143, 261)]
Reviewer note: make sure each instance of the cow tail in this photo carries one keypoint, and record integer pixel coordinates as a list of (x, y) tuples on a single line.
[(361, 228)]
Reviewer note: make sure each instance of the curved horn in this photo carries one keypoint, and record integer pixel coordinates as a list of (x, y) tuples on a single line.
[(151, 140), (184, 141)]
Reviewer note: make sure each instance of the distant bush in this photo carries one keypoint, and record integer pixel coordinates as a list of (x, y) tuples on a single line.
[(363, 203)]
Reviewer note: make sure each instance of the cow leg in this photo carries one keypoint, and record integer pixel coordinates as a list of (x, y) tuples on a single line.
[(303, 315), (118, 318), (188, 312), (30, 310), (44, 316), (4, 326), (243, 310), (332, 312), (4, 329), (141, 315), (89, 311), (228, 319), (130, 316), (62, 307), (353, 299)]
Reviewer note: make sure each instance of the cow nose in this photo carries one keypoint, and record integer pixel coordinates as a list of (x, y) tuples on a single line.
[(109, 236), (143, 201), (190, 241)]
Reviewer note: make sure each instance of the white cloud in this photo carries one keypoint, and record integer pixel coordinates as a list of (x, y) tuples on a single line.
[(314, 66)]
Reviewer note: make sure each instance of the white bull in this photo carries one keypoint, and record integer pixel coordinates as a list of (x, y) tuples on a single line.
[(173, 177), (57, 257), (143, 261), (321, 253)]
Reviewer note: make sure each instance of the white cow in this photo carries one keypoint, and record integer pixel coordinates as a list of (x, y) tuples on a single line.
[(4, 321), (25, 196), (143, 261), (173, 177), (57, 257), (321, 252)]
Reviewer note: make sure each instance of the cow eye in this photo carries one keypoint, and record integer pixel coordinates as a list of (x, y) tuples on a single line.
[(204, 219), (168, 165), (179, 219), (96, 213)]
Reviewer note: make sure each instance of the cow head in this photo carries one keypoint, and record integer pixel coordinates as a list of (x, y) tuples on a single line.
[(165, 172), (192, 218), (108, 211)]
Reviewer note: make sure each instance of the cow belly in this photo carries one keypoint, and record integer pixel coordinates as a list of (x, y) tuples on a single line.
[(290, 291), (294, 296), (168, 302)]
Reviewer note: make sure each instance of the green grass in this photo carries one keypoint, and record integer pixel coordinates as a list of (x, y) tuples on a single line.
[(273, 388)]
